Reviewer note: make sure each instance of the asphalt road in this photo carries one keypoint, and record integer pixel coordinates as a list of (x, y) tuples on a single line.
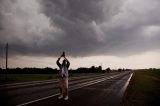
[(99, 90)]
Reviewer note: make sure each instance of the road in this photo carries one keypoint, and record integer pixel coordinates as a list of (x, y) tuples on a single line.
[(94, 90)]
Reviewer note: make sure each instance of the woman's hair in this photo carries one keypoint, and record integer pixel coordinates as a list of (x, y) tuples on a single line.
[(64, 62)]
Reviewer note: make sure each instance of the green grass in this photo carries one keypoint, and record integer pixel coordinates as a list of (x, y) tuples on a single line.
[(25, 77), (143, 89), (11, 78)]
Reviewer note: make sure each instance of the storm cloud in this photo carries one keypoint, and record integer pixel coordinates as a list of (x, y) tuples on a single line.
[(80, 27)]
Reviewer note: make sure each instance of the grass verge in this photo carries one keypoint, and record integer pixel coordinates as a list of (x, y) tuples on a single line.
[(11, 78), (143, 89)]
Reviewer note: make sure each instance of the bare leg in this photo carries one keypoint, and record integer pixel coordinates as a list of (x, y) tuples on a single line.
[(61, 86), (61, 89), (66, 89)]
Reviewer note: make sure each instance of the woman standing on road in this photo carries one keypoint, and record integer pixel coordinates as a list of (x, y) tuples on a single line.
[(63, 76)]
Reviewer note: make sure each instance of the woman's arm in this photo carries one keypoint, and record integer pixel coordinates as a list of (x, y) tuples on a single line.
[(58, 62), (68, 63)]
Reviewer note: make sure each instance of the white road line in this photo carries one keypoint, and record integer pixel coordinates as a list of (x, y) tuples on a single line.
[(35, 83), (38, 100), (126, 84), (38, 82), (78, 87), (30, 82)]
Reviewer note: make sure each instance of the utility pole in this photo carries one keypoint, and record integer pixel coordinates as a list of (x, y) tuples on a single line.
[(6, 56), (6, 59)]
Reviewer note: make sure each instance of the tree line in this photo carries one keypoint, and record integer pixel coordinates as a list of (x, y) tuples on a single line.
[(49, 70)]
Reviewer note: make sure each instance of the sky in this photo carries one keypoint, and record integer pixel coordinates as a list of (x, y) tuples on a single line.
[(111, 33)]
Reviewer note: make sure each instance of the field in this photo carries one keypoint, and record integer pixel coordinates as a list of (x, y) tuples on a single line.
[(11, 78), (143, 89)]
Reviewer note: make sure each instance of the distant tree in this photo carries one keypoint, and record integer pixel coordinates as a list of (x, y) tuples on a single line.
[(119, 69), (108, 70), (100, 68), (93, 67)]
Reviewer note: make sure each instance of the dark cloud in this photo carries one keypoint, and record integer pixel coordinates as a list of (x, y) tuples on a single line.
[(80, 27)]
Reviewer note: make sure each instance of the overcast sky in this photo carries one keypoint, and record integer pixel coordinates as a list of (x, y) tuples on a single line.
[(114, 33)]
